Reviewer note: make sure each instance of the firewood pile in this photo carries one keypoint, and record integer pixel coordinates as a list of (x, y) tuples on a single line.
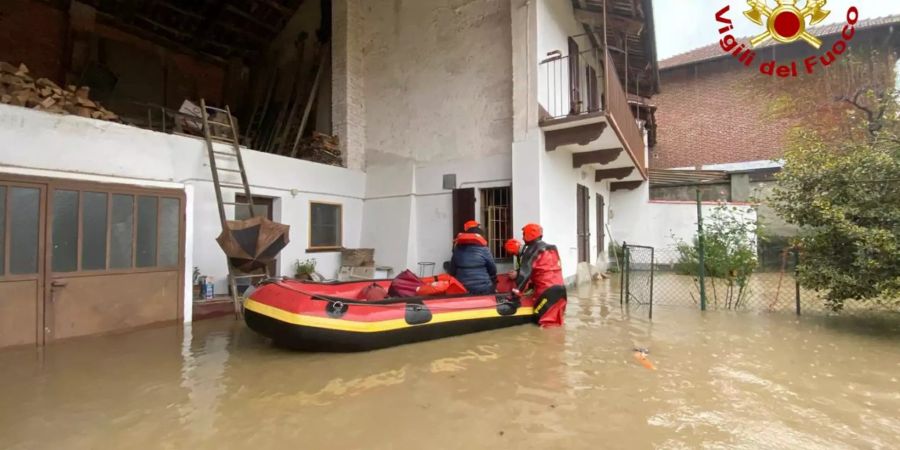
[(321, 148), (19, 88)]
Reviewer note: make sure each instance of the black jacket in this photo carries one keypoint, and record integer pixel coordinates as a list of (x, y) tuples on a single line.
[(473, 266)]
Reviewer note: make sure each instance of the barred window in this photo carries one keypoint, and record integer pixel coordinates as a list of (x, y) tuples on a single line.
[(496, 218)]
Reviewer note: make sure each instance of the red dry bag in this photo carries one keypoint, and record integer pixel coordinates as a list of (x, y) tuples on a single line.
[(404, 285)]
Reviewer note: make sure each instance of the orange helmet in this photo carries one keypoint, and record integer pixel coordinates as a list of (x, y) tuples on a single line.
[(531, 232), (471, 224), (512, 247)]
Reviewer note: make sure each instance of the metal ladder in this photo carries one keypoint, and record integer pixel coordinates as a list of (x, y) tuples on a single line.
[(244, 185)]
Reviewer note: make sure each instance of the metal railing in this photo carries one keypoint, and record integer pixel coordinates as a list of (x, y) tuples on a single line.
[(589, 83), (571, 85), (623, 119)]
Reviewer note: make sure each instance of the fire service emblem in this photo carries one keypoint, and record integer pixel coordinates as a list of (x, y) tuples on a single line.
[(785, 23)]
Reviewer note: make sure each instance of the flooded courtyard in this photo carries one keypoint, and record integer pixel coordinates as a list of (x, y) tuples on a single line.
[(723, 380)]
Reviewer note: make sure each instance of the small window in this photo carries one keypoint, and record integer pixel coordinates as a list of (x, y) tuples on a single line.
[(24, 230), (169, 221), (324, 226), (93, 226), (496, 218), (148, 209), (65, 231), (121, 232)]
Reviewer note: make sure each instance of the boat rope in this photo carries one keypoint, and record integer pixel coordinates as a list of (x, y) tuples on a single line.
[(396, 304)]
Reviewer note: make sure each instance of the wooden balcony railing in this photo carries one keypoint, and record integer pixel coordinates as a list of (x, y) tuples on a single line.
[(621, 117), (587, 83)]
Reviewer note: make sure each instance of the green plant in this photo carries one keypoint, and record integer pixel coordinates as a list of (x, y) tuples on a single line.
[(845, 196), (305, 268), (729, 242)]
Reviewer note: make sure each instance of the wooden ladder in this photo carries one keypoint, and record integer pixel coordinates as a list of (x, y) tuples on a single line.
[(244, 185)]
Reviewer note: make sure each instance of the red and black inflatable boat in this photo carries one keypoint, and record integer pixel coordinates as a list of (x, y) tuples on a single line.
[(328, 316)]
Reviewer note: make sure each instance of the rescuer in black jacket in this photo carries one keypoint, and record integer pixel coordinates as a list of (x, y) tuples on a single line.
[(472, 263)]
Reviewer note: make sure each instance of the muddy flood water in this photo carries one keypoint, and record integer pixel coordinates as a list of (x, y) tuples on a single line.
[(723, 381)]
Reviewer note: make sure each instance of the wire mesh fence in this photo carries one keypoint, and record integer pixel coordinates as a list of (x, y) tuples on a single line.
[(637, 280), (663, 277)]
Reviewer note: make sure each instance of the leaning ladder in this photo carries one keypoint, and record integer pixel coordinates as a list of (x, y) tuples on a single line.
[(244, 185)]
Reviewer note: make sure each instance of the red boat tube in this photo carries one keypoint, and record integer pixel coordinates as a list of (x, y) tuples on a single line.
[(329, 316)]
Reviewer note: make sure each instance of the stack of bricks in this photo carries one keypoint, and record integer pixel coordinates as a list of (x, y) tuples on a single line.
[(19, 88)]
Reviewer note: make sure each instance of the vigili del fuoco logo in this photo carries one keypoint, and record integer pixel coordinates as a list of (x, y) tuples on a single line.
[(786, 23)]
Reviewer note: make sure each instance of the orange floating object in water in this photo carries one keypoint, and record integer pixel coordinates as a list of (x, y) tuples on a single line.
[(641, 358)]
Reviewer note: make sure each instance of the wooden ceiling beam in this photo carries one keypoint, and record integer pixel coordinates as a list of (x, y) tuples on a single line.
[(630, 25), (618, 174), (595, 157), (625, 185)]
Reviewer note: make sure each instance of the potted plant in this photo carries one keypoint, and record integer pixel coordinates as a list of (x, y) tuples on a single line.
[(303, 270)]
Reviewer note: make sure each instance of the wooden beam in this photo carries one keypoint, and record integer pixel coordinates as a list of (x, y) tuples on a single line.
[(581, 135), (625, 185), (618, 174), (632, 25), (596, 157)]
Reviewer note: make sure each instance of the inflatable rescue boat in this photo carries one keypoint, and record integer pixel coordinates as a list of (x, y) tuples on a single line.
[(338, 317)]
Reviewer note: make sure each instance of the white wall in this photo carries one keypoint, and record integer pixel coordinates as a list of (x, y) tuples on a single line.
[(438, 79), (73, 147), (409, 215), (555, 23), (438, 100), (659, 224), (559, 187)]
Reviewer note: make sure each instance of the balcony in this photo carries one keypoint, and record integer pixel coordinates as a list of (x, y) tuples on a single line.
[(585, 110)]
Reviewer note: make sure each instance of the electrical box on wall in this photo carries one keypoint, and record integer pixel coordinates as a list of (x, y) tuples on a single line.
[(450, 181)]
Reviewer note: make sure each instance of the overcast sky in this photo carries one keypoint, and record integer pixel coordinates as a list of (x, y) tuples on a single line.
[(683, 25)]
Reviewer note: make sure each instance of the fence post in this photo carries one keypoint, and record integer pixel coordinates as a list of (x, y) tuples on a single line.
[(622, 269), (652, 263), (797, 277), (700, 252)]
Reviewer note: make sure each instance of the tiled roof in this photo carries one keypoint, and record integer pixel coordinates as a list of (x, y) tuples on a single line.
[(713, 51)]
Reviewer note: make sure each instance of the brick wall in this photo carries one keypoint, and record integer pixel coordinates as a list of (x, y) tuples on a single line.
[(709, 114), (34, 33), (719, 111)]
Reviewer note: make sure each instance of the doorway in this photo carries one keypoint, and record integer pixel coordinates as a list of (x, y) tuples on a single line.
[(574, 77), (583, 225), (463, 208), (87, 258)]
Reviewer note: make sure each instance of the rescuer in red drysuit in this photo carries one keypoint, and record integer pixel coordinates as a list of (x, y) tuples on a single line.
[(540, 270)]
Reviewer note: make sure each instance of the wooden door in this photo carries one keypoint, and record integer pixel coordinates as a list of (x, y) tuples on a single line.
[(463, 208), (574, 77), (115, 258), (593, 92), (262, 206), (601, 228), (22, 227), (583, 226)]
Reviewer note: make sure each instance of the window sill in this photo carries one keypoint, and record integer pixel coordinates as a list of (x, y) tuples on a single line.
[(324, 250)]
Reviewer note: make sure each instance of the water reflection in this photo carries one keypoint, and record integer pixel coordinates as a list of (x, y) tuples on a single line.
[(724, 381)]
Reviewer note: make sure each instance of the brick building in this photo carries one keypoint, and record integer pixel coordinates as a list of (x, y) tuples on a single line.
[(712, 110)]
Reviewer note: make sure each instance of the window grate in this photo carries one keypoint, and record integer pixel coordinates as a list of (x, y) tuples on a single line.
[(496, 218)]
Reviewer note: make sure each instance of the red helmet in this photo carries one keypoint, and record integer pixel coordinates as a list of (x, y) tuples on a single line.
[(531, 232), (471, 224), (512, 247)]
